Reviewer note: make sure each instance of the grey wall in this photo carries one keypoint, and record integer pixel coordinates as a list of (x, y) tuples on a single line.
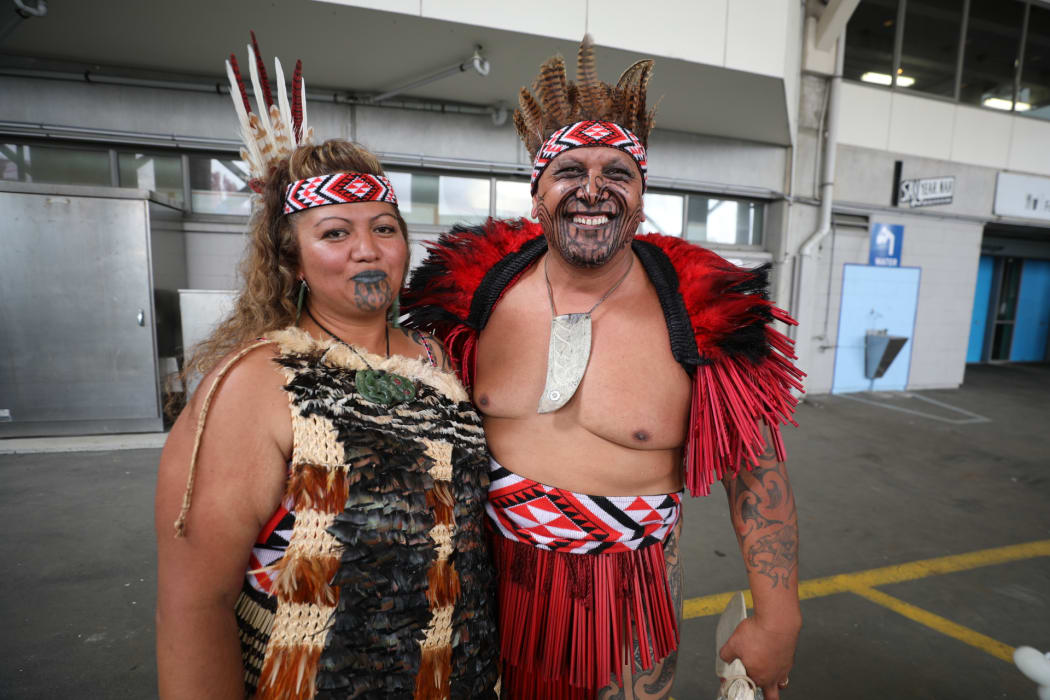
[(947, 252)]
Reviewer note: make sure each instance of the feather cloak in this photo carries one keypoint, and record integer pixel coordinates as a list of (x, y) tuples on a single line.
[(718, 319)]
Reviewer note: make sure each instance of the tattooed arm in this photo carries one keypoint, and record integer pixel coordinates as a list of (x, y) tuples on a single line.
[(762, 508)]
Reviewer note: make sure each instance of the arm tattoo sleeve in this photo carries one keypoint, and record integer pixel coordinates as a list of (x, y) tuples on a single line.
[(762, 507)]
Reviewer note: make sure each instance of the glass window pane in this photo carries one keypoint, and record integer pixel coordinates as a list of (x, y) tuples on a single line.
[(1034, 97), (870, 35), (417, 196), (993, 38), (726, 221), (462, 200), (663, 214), (441, 199), (219, 186), (54, 164), (12, 161), (160, 174), (930, 46), (513, 199)]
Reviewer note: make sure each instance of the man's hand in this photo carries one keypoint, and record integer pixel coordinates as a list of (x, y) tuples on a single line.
[(768, 655)]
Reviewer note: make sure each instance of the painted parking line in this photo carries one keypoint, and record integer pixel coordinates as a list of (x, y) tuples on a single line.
[(848, 583), (863, 583), (940, 624)]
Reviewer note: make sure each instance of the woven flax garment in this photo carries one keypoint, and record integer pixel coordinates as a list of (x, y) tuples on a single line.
[(385, 589)]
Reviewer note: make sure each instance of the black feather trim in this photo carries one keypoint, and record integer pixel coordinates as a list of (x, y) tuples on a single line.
[(665, 280)]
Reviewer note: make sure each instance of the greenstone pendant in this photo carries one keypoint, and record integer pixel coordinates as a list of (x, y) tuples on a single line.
[(385, 388)]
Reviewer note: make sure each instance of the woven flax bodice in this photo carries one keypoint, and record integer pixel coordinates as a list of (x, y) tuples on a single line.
[(384, 590)]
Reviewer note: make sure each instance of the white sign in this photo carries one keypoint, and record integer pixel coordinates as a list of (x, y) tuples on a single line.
[(1024, 196), (926, 192)]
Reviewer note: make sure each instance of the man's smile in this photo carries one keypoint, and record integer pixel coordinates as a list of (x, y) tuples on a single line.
[(590, 221)]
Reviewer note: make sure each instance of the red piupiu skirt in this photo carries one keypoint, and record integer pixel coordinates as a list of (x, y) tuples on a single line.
[(582, 582)]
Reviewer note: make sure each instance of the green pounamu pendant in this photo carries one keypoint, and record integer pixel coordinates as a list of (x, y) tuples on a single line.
[(384, 388)]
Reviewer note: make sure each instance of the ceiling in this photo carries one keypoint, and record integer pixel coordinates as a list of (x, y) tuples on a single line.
[(366, 51)]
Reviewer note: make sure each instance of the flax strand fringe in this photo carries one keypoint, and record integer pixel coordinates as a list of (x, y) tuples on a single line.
[(187, 496)]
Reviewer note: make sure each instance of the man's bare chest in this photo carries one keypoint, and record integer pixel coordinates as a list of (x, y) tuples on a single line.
[(633, 392)]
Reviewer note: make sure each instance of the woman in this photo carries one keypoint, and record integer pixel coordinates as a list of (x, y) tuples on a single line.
[(327, 480)]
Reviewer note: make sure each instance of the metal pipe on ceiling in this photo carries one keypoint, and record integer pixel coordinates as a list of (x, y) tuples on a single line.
[(22, 12), (476, 62), (498, 112)]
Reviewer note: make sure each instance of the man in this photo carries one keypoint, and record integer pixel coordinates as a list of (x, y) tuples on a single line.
[(603, 363)]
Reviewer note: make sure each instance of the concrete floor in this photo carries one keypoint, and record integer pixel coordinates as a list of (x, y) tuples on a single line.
[(875, 486)]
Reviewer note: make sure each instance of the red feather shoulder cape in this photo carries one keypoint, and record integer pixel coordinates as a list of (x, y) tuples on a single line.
[(718, 319)]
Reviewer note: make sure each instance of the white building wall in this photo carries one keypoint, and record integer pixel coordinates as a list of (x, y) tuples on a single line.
[(755, 36), (910, 124)]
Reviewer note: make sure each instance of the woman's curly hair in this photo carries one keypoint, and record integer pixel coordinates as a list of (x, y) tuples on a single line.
[(267, 299)]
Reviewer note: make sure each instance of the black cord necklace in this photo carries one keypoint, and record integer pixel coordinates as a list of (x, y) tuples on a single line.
[(376, 385), (386, 332)]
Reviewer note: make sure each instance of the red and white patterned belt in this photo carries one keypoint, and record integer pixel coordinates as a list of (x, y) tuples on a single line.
[(554, 519)]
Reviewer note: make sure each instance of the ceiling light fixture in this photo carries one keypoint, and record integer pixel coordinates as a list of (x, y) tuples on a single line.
[(1005, 104), (887, 79)]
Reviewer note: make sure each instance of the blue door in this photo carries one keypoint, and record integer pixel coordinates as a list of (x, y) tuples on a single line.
[(981, 299), (1033, 313)]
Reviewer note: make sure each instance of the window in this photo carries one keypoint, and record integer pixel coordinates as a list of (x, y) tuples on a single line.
[(219, 186), (1034, 96), (12, 161), (726, 221), (513, 199), (930, 46), (54, 164), (1002, 63), (441, 200), (663, 214), (993, 39), (160, 174), (870, 38)]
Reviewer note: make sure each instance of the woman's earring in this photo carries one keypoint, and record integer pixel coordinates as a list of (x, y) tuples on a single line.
[(395, 312), (303, 289)]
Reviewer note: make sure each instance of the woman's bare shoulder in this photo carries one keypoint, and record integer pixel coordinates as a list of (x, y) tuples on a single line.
[(429, 347), (238, 421)]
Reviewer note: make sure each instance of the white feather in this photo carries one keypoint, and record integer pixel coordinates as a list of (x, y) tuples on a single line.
[(282, 98), (247, 135), (260, 103), (302, 127)]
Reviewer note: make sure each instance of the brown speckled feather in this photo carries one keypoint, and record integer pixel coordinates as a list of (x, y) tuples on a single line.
[(555, 101), (587, 79), (552, 88)]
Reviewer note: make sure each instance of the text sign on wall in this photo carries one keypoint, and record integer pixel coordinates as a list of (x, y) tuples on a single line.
[(925, 192), (886, 242), (1025, 196)]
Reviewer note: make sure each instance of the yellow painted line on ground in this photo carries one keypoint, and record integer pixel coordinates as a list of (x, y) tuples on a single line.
[(940, 624), (846, 583)]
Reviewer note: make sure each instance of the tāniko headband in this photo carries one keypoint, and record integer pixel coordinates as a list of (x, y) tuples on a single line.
[(589, 133), (339, 188)]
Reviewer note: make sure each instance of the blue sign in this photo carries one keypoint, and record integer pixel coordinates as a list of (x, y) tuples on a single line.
[(886, 243)]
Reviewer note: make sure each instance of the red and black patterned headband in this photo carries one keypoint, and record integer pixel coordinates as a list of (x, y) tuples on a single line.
[(340, 188), (589, 133)]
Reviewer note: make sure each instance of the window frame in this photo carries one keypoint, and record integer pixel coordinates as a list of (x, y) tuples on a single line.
[(902, 8)]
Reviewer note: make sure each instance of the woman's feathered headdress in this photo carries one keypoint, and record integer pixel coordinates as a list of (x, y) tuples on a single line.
[(562, 101), (275, 130)]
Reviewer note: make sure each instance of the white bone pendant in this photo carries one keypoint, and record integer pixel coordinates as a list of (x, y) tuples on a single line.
[(567, 356)]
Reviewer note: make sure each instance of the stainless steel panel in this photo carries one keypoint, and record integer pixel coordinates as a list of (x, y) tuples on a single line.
[(74, 277), (201, 310)]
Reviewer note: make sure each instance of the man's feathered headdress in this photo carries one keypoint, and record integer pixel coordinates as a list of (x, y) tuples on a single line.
[(563, 102), (275, 130)]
